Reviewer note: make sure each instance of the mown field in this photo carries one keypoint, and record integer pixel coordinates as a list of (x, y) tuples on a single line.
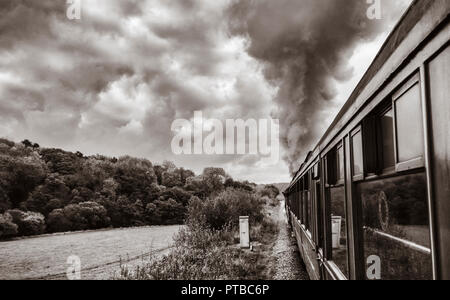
[(101, 252)]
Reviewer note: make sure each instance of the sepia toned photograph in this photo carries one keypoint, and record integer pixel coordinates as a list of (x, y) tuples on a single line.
[(201, 143)]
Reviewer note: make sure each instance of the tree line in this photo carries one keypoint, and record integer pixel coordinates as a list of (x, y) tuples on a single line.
[(46, 190)]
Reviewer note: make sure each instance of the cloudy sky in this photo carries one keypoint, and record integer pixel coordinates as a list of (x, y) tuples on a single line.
[(114, 81)]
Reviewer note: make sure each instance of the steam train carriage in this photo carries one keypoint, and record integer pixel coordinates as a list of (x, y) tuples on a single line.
[(372, 200)]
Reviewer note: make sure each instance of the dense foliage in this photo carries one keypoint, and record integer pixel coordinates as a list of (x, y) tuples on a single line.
[(51, 190)]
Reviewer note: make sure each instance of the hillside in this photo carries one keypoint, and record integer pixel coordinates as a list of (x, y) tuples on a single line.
[(51, 190)]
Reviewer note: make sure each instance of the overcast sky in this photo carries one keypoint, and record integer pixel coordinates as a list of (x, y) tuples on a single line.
[(114, 81)]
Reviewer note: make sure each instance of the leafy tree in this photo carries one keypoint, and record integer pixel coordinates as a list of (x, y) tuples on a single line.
[(29, 223), (197, 187), (27, 143), (171, 179), (58, 222), (61, 162), (270, 191), (7, 143), (178, 194), (81, 194), (159, 170), (53, 188), (134, 176), (83, 216), (169, 166), (153, 193), (7, 227), (168, 212), (214, 179), (230, 183), (19, 176), (5, 204)]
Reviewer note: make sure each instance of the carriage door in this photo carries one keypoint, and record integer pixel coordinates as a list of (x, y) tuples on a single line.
[(439, 108)]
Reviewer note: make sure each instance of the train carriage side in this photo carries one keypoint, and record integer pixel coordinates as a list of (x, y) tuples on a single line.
[(372, 200)]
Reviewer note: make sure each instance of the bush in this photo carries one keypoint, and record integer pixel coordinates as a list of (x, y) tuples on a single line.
[(225, 209), (270, 191), (7, 227), (29, 223)]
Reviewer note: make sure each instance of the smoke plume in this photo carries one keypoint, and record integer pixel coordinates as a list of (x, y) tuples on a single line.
[(305, 46)]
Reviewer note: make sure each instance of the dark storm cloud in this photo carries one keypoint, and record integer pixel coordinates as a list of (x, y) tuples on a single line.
[(114, 81), (306, 46)]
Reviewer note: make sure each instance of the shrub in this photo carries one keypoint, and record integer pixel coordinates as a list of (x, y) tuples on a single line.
[(29, 223), (7, 227), (58, 222), (270, 191), (225, 209)]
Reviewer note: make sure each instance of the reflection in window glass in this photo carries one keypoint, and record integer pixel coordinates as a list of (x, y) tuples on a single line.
[(387, 131), (299, 206), (305, 209), (396, 226), (340, 164), (357, 149), (409, 125), (338, 228), (308, 224)]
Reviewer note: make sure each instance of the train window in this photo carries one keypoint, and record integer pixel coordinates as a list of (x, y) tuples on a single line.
[(395, 227), (340, 164), (339, 228), (387, 139), (298, 201), (357, 154), (309, 208), (316, 172), (335, 166), (410, 139), (306, 202)]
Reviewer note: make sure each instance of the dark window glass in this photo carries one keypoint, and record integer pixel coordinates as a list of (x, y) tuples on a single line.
[(299, 206), (357, 150), (308, 223), (387, 132), (396, 227), (305, 209), (339, 229), (410, 139)]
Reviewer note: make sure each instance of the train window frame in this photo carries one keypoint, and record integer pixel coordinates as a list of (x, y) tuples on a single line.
[(299, 200), (307, 200), (340, 181), (381, 152), (414, 163), (353, 133), (333, 163), (316, 171)]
